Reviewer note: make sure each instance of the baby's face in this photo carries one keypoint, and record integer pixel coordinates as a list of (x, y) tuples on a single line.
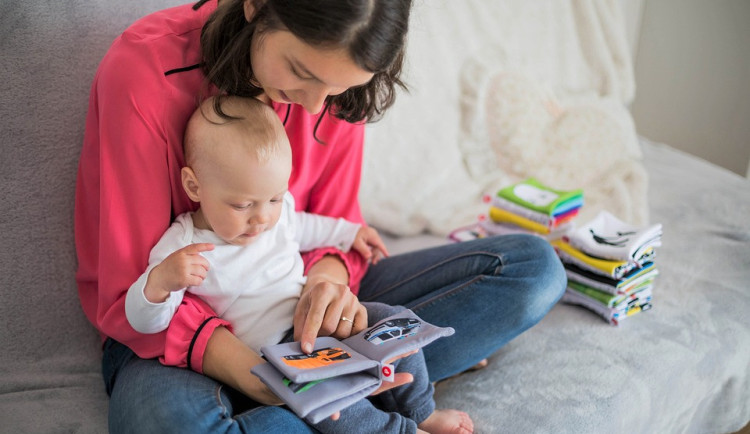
[(242, 200)]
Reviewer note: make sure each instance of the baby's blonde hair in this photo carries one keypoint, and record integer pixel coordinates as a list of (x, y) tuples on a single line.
[(255, 128)]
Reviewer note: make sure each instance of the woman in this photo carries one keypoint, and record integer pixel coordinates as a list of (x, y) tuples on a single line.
[(325, 67)]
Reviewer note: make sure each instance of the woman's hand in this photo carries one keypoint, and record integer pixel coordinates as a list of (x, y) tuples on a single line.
[(399, 378), (327, 307)]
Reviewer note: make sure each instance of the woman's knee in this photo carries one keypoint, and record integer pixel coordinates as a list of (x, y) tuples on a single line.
[(546, 277), (378, 311), (534, 255), (534, 268)]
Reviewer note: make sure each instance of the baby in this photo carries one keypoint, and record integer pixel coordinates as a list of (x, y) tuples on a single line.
[(239, 252)]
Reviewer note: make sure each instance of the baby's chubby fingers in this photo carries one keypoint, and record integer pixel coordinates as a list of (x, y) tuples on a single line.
[(361, 246), (197, 248), (193, 251), (377, 243), (184, 267), (369, 244)]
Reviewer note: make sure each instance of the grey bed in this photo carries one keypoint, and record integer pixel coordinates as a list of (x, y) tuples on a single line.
[(684, 366)]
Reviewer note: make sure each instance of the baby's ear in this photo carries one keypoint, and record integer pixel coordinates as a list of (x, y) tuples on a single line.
[(190, 184)]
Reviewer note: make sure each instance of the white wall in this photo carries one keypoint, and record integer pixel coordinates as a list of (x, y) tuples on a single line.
[(692, 70)]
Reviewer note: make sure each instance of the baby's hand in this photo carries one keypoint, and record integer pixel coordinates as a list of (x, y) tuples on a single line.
[(369, 244), (183, 268)]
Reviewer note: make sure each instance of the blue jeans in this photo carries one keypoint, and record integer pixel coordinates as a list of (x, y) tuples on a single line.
[(148, 397), (190, 402), (488, 290)]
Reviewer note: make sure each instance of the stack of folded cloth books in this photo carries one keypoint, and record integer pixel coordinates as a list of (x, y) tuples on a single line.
[(530, 206), (526, 207), (610, 266)]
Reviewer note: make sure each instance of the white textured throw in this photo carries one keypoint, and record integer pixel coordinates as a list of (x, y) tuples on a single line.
[(500, 91)]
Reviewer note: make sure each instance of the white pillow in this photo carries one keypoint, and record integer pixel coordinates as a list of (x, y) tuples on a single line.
[(514, 128)]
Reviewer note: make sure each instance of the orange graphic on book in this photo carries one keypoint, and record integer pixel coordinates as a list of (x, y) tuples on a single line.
[(317, 359)]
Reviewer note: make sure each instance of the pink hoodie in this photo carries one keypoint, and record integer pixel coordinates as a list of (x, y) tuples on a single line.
[(129, 186)]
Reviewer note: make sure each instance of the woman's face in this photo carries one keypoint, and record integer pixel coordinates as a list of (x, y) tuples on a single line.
[(291, 71)]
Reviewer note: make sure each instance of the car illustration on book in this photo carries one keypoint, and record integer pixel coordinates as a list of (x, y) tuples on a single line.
[(317, 359), (393, 329)]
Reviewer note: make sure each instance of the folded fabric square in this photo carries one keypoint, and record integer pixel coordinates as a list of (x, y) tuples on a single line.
[(499, 215), (608, 237), (607, 284), (613, 309), (534, 195), (615, 269), (550, 221), (607, 299), (491, 227)]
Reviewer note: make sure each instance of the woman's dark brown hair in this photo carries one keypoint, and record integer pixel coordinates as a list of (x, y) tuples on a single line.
[(373, 31)]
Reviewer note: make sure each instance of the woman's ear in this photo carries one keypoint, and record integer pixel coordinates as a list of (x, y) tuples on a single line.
[(249, 9), (190, 184)]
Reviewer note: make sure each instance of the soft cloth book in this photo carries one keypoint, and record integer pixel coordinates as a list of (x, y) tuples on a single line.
[(612, 309), (550, 221), (534, 195), (608, 237), (337, 373), (606, 284), (612, 268)]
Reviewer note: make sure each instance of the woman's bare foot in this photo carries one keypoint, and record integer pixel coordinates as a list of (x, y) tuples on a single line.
[(447, 421), (482, 364)]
